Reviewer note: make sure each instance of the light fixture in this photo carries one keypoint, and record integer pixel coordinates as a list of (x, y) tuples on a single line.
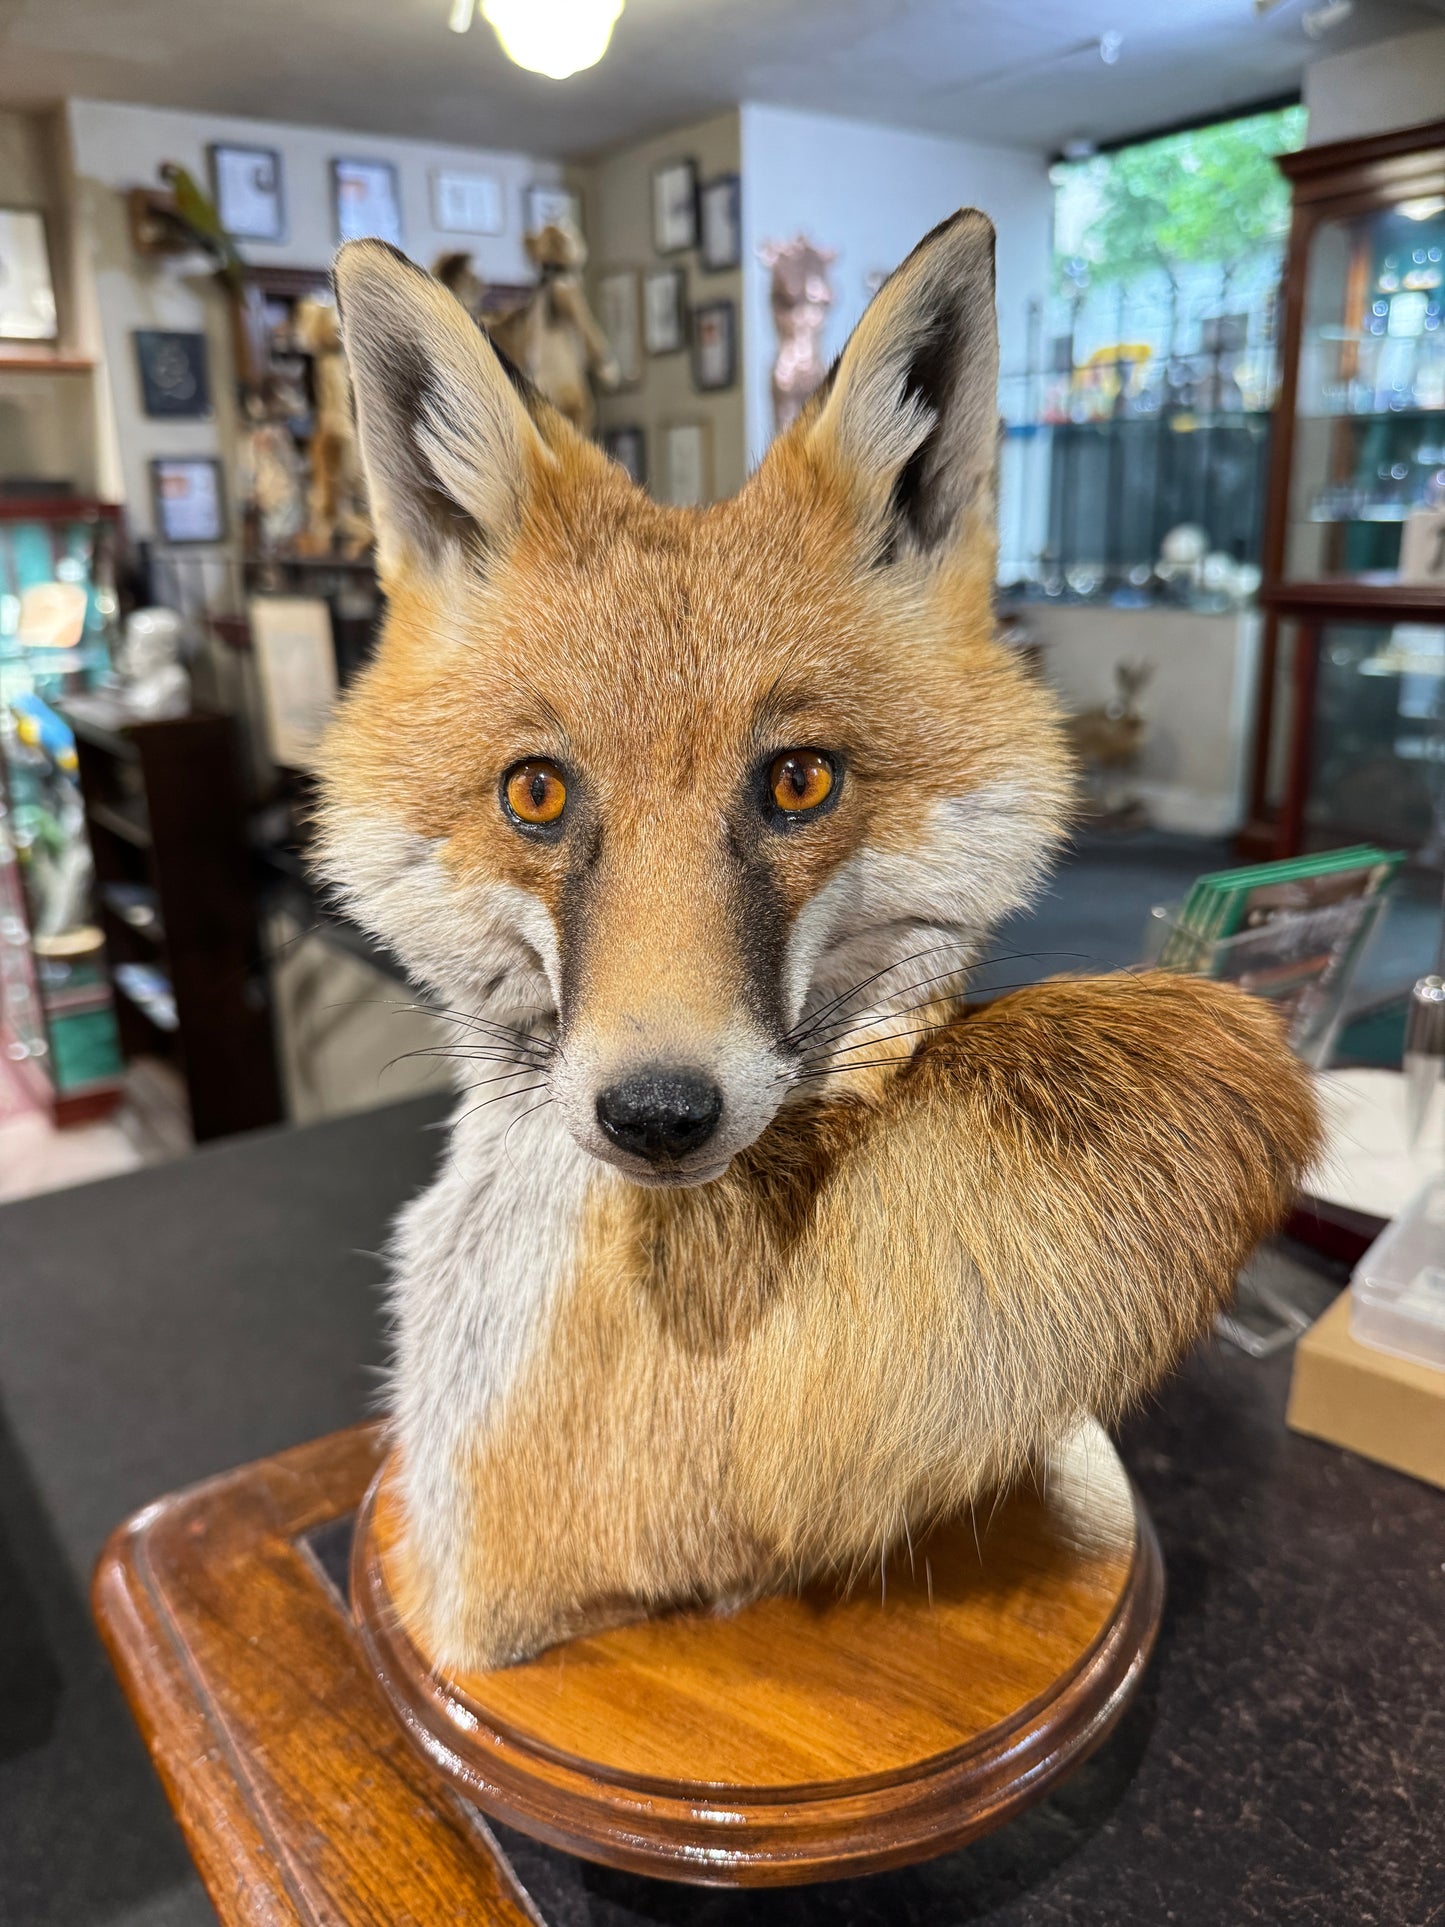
[(551, 37), (1317, 21)]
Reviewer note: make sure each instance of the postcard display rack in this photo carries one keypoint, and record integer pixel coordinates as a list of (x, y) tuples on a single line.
[(1350, 731), (57, 605)]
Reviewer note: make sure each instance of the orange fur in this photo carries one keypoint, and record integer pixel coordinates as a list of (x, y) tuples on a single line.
[(946, 1234), (887, 1309)]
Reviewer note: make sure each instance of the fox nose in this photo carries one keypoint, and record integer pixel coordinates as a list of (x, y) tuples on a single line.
[(659, 1113)]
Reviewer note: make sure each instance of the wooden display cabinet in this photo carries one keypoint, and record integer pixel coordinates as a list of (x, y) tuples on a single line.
[(165, 810), (1350, 720)]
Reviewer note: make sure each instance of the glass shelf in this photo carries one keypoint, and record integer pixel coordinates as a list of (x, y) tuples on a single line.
[(1364, 416), (1369, 428)]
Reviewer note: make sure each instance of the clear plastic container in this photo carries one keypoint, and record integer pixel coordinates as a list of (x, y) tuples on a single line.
[(1397, 1293)]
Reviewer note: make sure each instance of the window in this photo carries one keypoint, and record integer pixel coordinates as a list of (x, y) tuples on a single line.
[(1137, 435)]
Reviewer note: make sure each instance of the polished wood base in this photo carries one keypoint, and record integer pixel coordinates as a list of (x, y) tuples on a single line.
[(798, 1740), (299, 1797), (806, 1738)]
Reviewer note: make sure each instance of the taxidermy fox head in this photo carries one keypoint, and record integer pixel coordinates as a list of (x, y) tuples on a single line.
[(641, 791)]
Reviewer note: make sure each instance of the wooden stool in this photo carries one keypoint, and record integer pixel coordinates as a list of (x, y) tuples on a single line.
[(800, 1739)]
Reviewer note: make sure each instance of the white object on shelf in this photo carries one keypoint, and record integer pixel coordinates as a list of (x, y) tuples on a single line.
[(1369, 1163), (1397, 1293)]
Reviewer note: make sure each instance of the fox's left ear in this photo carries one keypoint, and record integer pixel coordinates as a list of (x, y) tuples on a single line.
[(448, 439), (909, 416)]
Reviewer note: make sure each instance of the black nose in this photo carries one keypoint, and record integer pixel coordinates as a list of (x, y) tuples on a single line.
[(659, 1113)]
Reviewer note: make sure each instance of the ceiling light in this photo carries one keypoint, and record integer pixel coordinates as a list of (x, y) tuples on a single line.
[(1317, 21), (553, 37), (1110, 46), (1424, 209)]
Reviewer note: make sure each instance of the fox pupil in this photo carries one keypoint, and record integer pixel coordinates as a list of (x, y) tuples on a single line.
[(538, 790)]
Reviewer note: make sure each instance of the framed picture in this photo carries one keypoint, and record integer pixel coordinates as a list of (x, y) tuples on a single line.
[(189, 499), (664, 311), (367, 200), (619, 315), (27, 293), (466, 203), (246, 183), (720, 221), (674, 207), (686, 482), (548, 203), (175, 382), (296, 659), (715, 345), (628, 448)]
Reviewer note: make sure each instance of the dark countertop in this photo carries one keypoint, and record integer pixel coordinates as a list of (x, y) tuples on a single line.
[(1285, 1762)]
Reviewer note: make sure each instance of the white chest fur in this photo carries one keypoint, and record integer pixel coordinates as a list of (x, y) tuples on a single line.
[(478, 1262)]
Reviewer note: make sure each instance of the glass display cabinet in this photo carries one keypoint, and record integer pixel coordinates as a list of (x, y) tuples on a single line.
[(1350, 730), (57, 608)]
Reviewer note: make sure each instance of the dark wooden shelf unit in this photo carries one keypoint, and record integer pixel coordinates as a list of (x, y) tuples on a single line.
[(165, 809), (1333, 183)]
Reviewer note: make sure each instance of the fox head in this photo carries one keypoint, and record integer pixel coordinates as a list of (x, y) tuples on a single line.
[(656, 792)]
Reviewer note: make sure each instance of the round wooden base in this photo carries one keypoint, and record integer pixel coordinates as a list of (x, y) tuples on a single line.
[(813, 1737)]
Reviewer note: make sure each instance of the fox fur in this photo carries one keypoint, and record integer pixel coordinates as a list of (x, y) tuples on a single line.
[(924, 1239)]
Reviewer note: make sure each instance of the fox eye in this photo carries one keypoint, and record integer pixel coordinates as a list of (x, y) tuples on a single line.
[(535, 792), (800, 779)]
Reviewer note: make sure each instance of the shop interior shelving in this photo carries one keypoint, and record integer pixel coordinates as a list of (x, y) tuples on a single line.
[(1350, 714)]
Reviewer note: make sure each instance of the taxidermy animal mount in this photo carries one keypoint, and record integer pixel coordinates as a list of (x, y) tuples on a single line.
[(336, 512), (553, 338), (800, 295), (1106, 742), (756, 1248)]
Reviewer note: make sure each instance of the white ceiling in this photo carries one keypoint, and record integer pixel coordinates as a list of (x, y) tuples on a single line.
[(1021, 72)]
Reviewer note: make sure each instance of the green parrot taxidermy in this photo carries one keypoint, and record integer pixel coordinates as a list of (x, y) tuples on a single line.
[(195, 212)]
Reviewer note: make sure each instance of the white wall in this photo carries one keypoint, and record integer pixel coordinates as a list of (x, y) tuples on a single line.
[(872, 192), (116, 147), (1370, 90)]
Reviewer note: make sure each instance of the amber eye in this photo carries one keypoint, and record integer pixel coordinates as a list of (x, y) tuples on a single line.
[(800, 779), (535, 791)]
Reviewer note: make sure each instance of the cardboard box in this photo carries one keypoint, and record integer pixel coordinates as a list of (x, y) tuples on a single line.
[(1382, 1407)]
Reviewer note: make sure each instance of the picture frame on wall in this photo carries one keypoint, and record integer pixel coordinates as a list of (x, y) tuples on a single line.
[(720, 224), (674, 207), (549, 204), (175, 379), (465, 201), (247, 186), (619, 315), (27, 291), (714, 346), (686, 464), (188, 493), (664, 311), (366, 201), (628, 448), (295, 652)]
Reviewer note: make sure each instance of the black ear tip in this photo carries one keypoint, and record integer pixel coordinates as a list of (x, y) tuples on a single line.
[(966, 228), (355, 257)]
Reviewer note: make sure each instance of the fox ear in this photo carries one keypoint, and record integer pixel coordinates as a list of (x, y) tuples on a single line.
[(447, 439), (909, 414)]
